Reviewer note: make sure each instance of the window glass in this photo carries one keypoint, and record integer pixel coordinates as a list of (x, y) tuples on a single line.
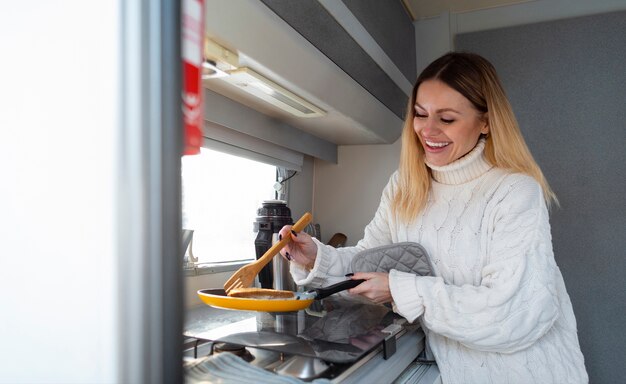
[(221, 194)]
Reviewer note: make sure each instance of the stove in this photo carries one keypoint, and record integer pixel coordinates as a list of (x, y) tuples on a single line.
[(335, 339)]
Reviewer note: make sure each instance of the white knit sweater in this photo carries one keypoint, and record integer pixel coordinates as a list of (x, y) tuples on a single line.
[(496, 309)]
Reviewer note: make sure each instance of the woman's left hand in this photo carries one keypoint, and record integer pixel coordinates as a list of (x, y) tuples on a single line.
[(375, 288)]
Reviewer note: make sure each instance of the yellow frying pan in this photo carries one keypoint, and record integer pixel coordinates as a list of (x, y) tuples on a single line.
[(301, 300)]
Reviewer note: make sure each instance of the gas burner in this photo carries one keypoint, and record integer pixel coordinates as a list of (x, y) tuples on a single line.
[(350, 342), (235, 349), (302, 367)]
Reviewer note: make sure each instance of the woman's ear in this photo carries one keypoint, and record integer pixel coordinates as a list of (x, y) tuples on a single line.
[(485, 129)]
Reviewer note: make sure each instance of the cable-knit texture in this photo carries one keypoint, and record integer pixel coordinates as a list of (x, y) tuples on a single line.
[(496, 309)]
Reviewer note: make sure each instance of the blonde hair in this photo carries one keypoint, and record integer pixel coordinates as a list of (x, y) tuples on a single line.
[(476, 79)]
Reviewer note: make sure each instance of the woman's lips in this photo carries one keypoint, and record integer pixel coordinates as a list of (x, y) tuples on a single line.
[(436, 146)]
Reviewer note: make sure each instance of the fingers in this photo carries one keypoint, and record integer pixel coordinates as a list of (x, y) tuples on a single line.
[(364, 275), (284, 231), (364, 286), (361, 288), (286, 251), (296, 237), (299, 241), (301, 249), (375, 288)]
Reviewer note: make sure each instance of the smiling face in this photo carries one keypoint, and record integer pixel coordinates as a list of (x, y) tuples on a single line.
[(446, 123)]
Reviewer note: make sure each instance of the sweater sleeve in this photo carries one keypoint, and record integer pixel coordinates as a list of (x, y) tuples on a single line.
[(516, 302), (332, 264)]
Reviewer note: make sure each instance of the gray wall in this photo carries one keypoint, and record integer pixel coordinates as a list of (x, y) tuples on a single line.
[(567, 83)]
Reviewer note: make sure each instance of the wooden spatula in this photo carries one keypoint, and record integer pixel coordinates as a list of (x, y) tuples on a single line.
[(244, 277)]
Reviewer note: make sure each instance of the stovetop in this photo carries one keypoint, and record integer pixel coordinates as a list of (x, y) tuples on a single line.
[(330, 336), (336, 330)]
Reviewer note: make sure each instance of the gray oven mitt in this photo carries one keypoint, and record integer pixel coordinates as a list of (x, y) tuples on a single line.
[(403, 257)]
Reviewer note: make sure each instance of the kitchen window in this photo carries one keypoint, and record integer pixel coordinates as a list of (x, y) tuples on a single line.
[(221, 193)]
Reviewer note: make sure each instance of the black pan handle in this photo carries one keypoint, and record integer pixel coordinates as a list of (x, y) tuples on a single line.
[(332, 289)]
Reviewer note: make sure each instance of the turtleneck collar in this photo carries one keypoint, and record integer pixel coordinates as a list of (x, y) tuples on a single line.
[(467, 168)]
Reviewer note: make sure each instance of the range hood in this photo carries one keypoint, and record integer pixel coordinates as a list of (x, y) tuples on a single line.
[(259, 61)]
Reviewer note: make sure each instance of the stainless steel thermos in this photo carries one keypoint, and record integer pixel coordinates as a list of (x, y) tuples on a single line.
[(271, 217)]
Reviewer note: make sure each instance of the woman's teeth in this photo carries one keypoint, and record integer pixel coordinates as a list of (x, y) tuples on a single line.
[(436, 145)]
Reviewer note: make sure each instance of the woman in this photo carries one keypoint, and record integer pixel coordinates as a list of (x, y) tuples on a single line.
[(468, 190)]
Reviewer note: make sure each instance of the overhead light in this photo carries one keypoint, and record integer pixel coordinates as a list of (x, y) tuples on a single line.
[(217, 60), (255, 84), (210, 70), (221, 63)]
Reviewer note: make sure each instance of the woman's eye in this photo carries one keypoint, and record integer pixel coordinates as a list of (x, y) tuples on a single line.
[(447, 121), (420, 116)]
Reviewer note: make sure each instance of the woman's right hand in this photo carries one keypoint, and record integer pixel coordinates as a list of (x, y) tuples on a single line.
[(301, 250)]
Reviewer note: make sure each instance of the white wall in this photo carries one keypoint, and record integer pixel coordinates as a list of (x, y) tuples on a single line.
[(347, 194)]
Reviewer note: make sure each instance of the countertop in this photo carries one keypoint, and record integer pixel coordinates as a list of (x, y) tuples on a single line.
[(202, 319)]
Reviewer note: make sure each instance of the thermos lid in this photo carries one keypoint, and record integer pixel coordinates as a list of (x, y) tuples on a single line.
[(281, 202), (274, 208)]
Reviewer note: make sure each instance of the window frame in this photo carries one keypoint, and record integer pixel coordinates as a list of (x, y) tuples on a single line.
[(206, 268)]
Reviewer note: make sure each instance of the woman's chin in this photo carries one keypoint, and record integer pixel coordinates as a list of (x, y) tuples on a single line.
[(438, 161)]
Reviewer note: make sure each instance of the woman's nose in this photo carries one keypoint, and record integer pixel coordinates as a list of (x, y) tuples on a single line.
[(429, 127)]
